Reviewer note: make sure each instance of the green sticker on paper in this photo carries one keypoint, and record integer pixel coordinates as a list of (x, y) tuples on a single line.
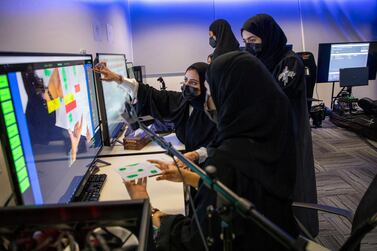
[(132, 176)]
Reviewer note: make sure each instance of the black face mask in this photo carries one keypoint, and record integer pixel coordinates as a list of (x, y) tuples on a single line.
[(212, 42), (253, 48), (188, 92)]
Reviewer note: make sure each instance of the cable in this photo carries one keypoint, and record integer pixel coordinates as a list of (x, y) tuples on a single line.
[(193, 208), (128, 237), (316, 90), (8, 200)]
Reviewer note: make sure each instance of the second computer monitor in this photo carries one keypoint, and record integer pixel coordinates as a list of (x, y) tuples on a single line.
[(112, 97), (130, 70), (335, 56)]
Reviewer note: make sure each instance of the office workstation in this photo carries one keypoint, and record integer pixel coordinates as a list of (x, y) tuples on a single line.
[(188, 125)]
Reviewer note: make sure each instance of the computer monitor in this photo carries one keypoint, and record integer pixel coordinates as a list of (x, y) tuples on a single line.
[(50, 123), (349, 77), (334, 56), (112, 97), (130, 70)]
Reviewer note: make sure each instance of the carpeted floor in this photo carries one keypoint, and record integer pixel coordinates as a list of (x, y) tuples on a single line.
[(345, 165)]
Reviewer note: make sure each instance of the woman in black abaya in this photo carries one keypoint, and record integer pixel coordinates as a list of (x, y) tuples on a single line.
[(266, 40), (254, 155), (184, 109), (221, 37)]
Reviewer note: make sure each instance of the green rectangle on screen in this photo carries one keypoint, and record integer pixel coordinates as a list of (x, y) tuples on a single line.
[(7, 107), (10, 119), (12, 130), (17, 153), (47, 72), (4, 94), (3, 81), (20, 163), (22, 174), (25, 184), (14, 142)]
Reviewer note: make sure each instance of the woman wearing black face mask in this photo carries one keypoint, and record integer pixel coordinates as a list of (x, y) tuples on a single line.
[(184, 109), (254, 155), (265, 39), (221, 38)]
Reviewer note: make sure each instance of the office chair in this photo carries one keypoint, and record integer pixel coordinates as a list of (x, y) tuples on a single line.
[(364, 220)]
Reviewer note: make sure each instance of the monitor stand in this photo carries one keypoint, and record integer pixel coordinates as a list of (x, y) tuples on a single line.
[(102, 162), (333, 98), (97, 167), (117, 141)]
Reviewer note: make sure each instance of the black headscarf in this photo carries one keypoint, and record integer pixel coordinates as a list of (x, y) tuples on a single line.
[(201, 69), (250, 105), (274, 41), (225, 39)]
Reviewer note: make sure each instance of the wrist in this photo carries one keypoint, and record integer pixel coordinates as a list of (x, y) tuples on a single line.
[(192, 179), (119, 79), (195, 156)]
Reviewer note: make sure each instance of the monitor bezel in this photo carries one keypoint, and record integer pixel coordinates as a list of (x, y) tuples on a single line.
[(107, 138), (5, 139), (132, 66), (323, 60)]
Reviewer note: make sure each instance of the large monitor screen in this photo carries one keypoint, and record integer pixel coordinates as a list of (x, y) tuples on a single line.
[(332, 57), (112, 97), (50, 118), (347, 56)]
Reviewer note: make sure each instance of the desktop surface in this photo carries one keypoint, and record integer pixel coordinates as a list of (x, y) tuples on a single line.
[(165, 195), (150, 148)]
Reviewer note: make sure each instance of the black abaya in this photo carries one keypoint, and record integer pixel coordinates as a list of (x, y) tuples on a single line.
[(225, 39), (288, 70), (194, 130), (254, 155)]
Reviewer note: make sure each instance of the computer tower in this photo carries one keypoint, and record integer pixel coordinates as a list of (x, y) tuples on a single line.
[(84, 225)]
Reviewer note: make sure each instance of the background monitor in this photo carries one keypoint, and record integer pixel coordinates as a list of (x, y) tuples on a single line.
[(334, 56), (112, 97), (49, 122), (130, 70), (349, 77)]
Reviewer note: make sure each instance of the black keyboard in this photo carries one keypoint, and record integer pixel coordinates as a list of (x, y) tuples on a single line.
[(93, 187)]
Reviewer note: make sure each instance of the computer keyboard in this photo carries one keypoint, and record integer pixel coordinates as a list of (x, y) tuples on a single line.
[(93, 187)]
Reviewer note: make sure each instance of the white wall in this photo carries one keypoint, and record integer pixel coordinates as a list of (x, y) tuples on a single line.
[(61, 26), (64, 26), (172, 82), (170, 35), (339, 21)]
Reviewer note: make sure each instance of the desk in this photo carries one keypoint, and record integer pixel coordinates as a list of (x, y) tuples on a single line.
[(164, 195), (150, 148)]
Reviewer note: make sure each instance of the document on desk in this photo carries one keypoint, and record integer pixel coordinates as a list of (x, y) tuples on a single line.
[(137, 170)]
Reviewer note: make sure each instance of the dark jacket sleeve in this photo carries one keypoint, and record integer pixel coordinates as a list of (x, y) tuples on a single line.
[(161, 105), (290, 76), (180, 233)]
